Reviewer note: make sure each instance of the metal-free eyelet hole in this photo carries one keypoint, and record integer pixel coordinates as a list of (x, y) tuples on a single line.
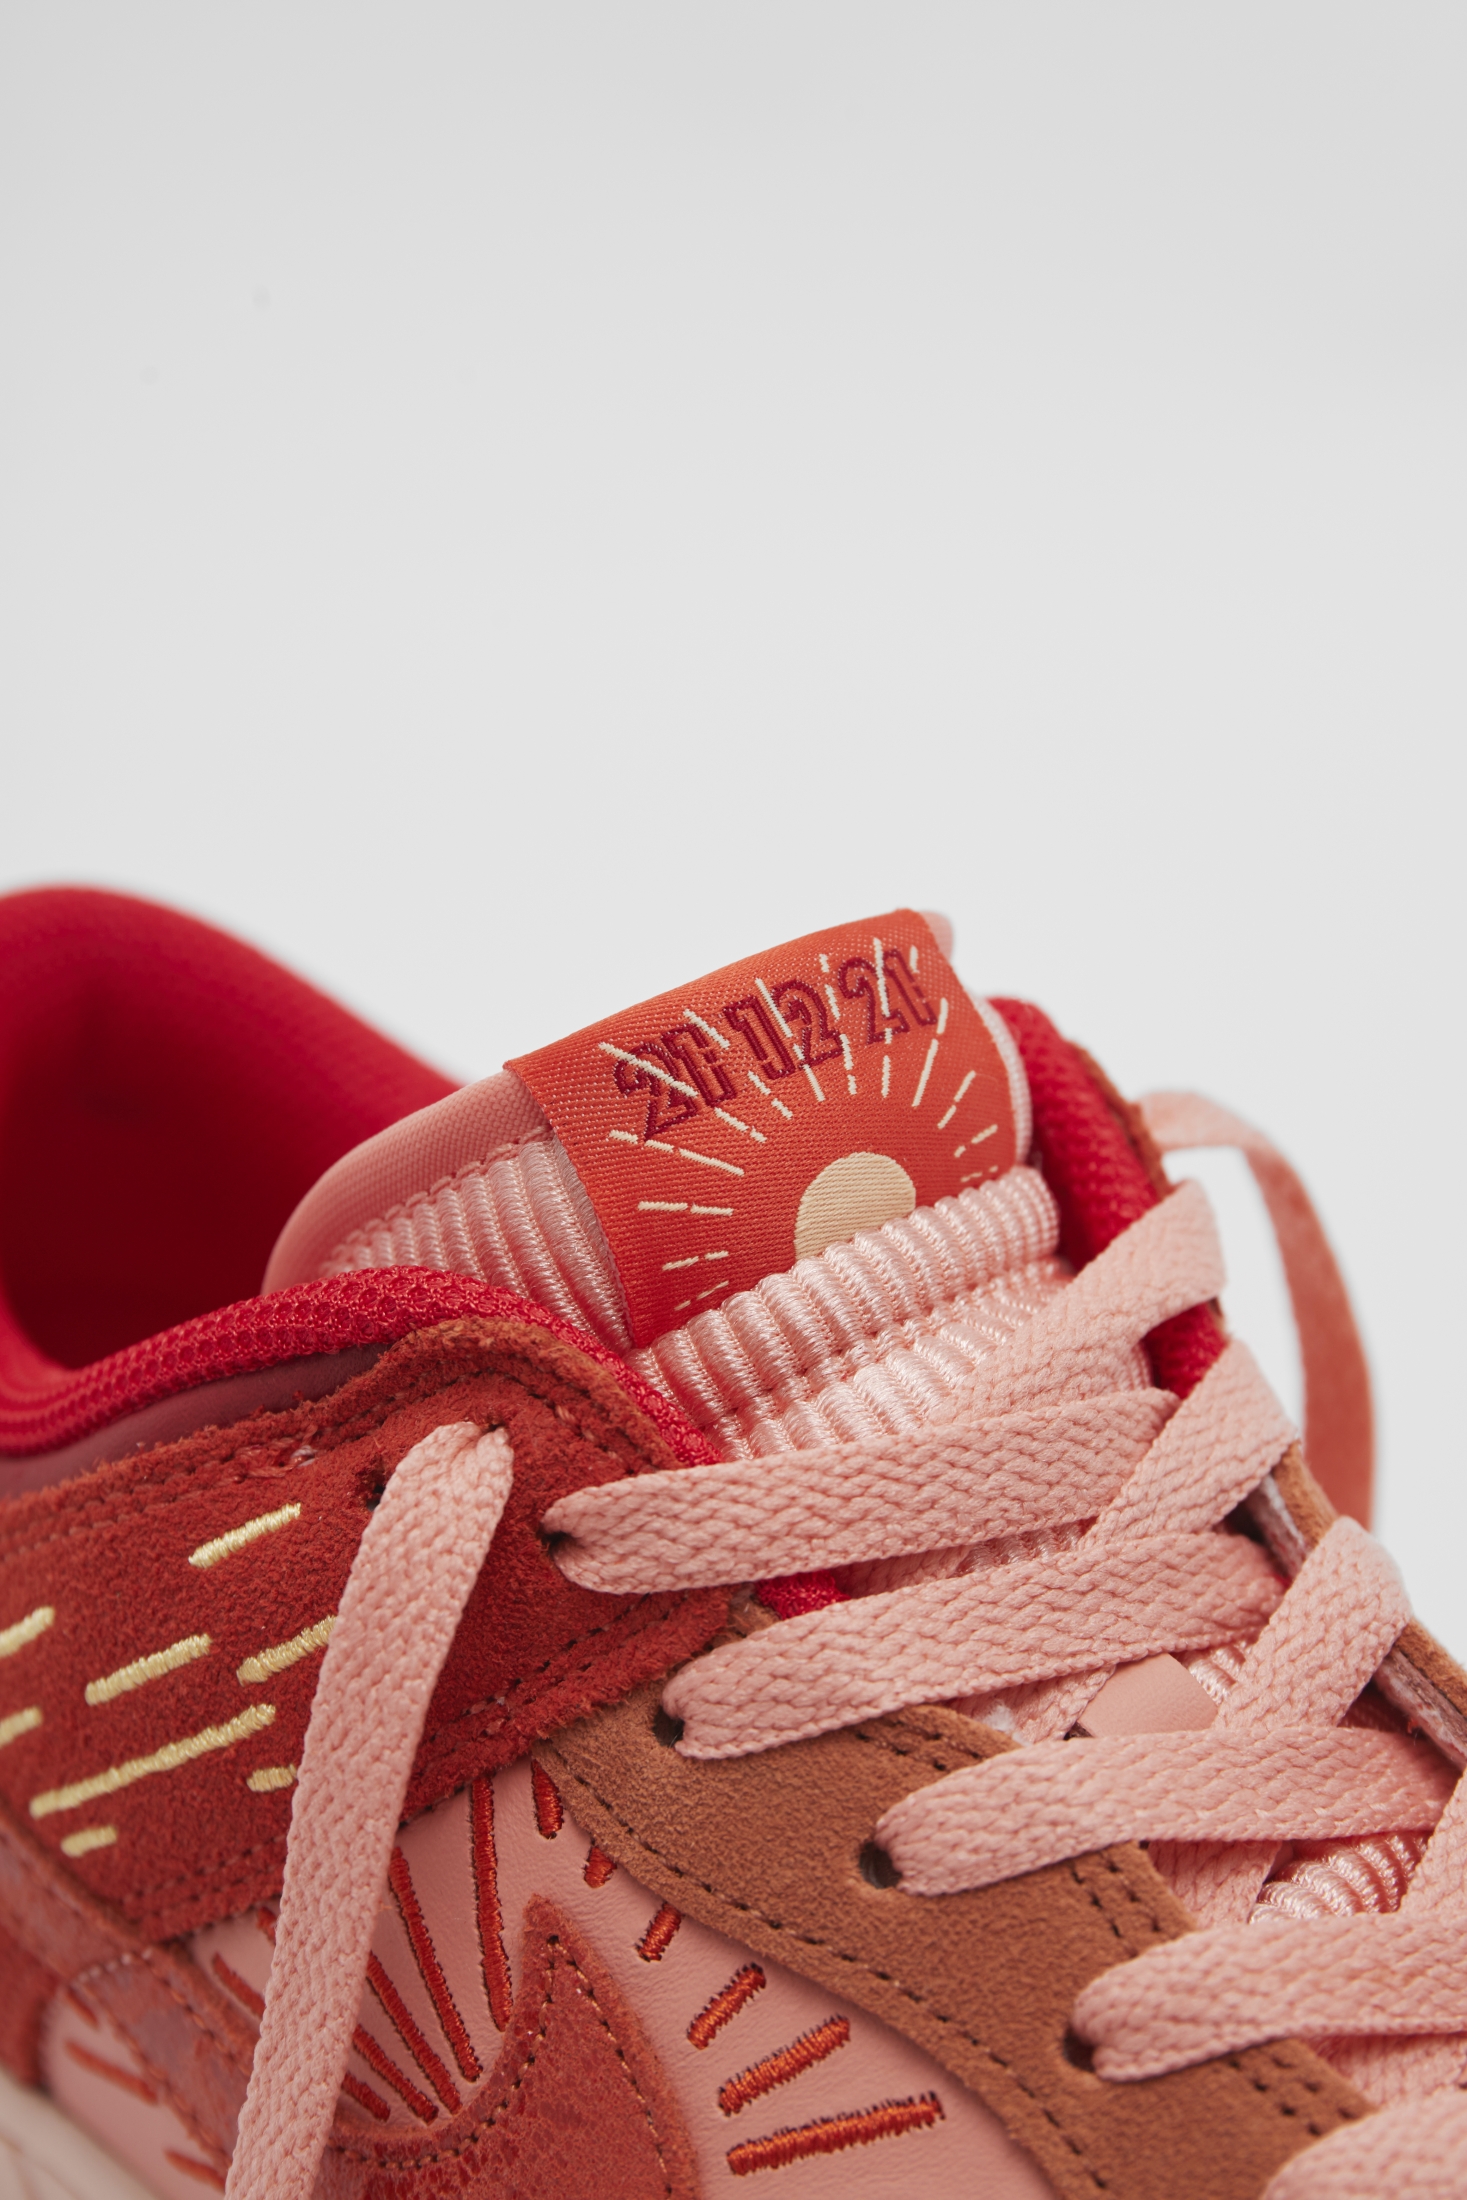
[(877, 1868)]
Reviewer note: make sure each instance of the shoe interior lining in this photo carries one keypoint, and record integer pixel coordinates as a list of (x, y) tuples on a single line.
[(167, 1096)]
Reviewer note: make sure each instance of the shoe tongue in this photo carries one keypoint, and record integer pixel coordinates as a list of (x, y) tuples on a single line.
[(758, 1114)]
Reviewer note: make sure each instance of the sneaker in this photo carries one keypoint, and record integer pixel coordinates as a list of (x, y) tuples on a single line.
[(720, 1605)]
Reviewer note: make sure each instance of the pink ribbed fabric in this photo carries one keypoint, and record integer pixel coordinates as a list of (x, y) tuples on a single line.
[(417, 1562), (874, 1337), (868, 1339), (522, 1220), (1156, 1572)]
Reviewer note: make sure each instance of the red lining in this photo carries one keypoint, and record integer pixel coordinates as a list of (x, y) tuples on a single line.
[(167, 1095), (1099, 1180)]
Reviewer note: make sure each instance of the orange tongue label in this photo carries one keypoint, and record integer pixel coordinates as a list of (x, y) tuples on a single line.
[(766, 1111)]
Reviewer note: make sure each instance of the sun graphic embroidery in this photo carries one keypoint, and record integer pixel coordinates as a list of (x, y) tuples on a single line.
[(778, 1106)]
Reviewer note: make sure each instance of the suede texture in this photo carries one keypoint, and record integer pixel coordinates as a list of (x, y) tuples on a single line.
[(768, 1850), (575, 2104), (110, 1554)]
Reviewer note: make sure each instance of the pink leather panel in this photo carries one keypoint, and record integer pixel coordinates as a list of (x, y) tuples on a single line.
[(774, 2078)]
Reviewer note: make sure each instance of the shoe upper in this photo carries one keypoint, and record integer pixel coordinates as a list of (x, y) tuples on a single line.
[(804, 1209)]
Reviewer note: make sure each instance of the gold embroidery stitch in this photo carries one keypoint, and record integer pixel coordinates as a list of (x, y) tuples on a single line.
[(249, 1531), (152, 1667), (166, 1759), (269, 1662)]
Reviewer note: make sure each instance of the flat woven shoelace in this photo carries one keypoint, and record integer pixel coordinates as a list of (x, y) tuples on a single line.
[(1042, 1437)]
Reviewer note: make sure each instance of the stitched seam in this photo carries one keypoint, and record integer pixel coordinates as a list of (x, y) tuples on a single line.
[(208, 1878), (1132, 1895), (645, 1620), (522, 1688), (188, 2004), (486, 2123), (155, 2075), (1100, 1908), (361, 1238), (58, 1890), (109, 1511), (1272, 2054), (812, 1940), (514, 1367), (909, 1993)]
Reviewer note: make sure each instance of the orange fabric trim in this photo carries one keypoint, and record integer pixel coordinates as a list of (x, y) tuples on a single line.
[(786, 2063), (400, 1879), (833, 2133), (241, 1988), (549, 1810), (113, 2072), (599, 1867), (400, 2015), (365, 2098), (658, 1936), (726, 2004), (497, 1984), (376, 2057), (191, 2167)]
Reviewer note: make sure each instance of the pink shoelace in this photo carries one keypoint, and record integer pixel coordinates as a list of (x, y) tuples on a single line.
[(1043, 1438)]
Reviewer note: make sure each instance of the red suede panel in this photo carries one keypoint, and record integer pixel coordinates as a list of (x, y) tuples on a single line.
[(110, 1554), (575, 2108), (369, 1306), (167, 1095), (1088, 1143)]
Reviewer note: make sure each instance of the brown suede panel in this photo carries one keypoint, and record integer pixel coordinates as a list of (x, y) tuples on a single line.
[(575, 2108), (110, 1554), (766, 1849)]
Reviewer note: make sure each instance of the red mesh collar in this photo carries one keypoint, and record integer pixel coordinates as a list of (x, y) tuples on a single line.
[(370, 1306)]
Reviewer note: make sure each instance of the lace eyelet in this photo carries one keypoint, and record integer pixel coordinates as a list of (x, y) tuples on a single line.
[(1077, 2052), (876, 1867)]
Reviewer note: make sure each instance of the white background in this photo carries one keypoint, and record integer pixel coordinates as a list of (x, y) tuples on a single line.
[(510, 507)]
